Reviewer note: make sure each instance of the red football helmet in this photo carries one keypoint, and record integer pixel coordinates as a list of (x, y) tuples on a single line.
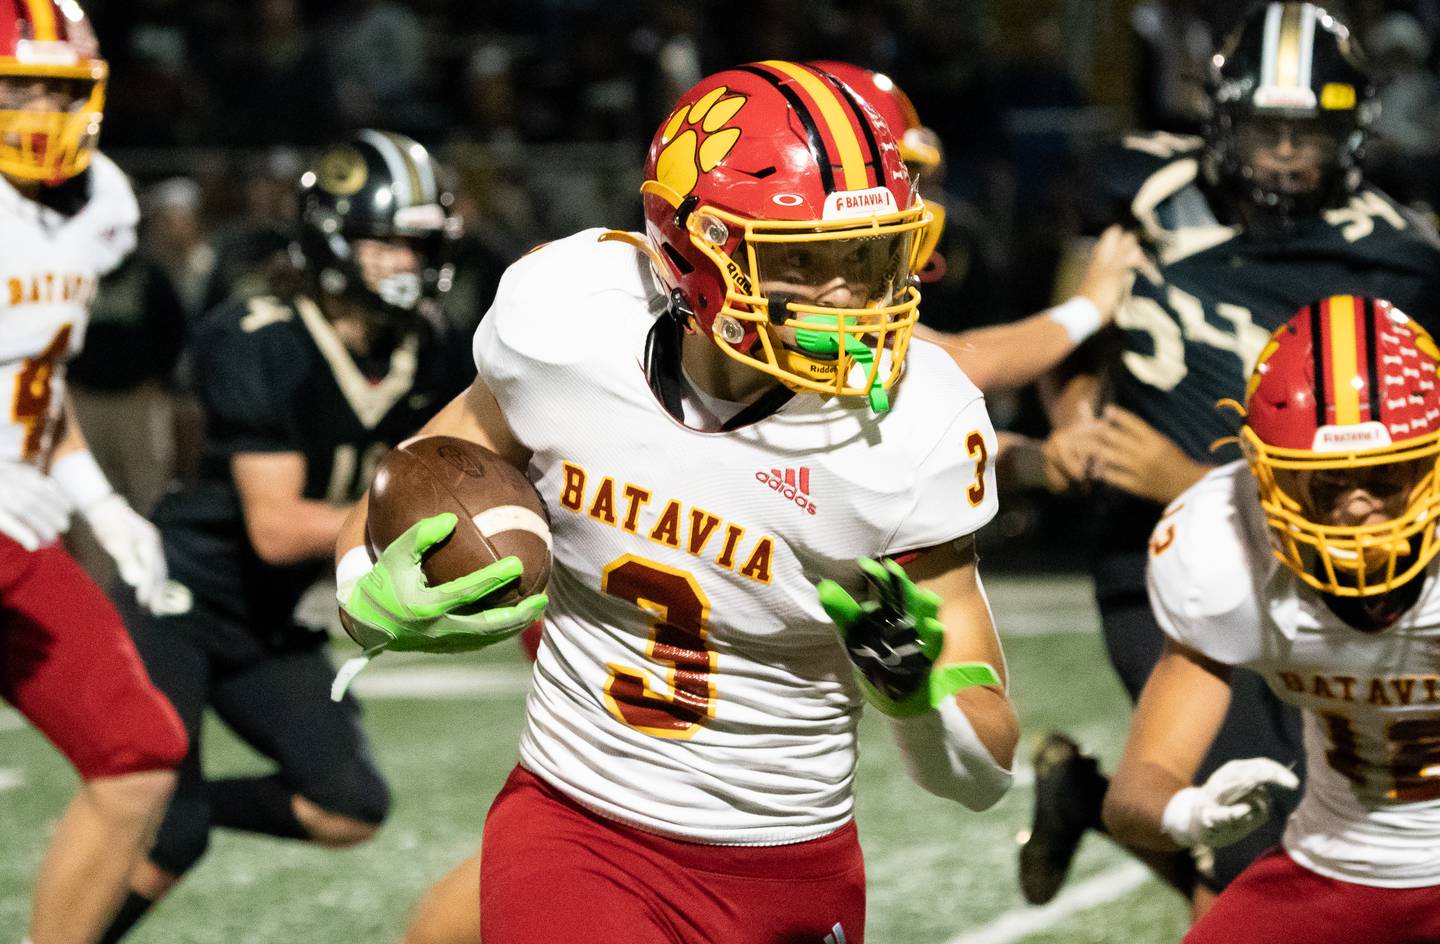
[(919, 146), (52, 90), (784, 221), (1344, 403)]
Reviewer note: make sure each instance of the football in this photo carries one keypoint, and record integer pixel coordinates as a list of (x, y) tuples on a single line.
[(499, 512)]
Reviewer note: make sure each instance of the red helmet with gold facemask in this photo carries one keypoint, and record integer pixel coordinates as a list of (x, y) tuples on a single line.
[(52, 90), (1342, 430), (782, 217)]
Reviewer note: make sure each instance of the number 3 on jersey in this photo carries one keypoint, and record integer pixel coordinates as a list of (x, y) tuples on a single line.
[(677, 647)]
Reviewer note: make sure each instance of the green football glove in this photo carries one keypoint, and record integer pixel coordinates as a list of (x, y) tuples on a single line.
[(393, 608), (893, 642)]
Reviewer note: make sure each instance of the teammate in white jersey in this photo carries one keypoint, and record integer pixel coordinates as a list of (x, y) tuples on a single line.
[(67, 216), (720, 414), (1314, 567)]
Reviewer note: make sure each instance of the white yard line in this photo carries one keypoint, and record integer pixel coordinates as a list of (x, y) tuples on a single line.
[(1097, 890), (11, 720), (444, 682), (10, 778)]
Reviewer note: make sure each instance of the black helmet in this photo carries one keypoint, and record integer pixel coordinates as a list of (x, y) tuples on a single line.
[(1293, 69), (375, 185)]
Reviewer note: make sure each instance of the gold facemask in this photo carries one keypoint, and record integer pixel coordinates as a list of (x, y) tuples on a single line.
[(52, 146), (846, 288), (1349, 560)]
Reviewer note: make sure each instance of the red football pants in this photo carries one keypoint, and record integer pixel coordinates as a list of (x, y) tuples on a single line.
[(67, 663), (1278, 901), (551, 871)]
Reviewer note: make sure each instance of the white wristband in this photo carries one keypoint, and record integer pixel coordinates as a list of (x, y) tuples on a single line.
[(1178, 820), (79, 477), (1079, 317), (354, 564)]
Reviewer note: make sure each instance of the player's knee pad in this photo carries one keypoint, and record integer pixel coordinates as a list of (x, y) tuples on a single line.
[(183, 836), (357, 790)]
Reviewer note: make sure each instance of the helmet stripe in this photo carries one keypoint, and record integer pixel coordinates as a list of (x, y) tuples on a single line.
[(402, 177), (1289, 45), (1372, 368), (875, 162), (419, 193), (1269, 42), (1344, 361), (837, 122), (1308, 15), (42, 20), (812, 130)]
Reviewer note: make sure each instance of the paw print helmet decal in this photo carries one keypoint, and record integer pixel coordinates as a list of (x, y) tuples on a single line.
[(785, 223), (1342, 432)]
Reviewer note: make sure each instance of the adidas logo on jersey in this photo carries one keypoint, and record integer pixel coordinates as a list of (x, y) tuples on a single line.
[(793, 484)]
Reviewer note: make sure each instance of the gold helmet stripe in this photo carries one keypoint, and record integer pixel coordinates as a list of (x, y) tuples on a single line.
[(836, 117), (1288, 46), (1344, 362), (418, 192), (42, 18)]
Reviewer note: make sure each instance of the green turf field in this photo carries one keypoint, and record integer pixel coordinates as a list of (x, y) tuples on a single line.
[(445, 731)]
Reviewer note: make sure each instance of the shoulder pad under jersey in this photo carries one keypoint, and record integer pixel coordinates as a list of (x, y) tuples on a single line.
[(1208, 558), (112, 211)]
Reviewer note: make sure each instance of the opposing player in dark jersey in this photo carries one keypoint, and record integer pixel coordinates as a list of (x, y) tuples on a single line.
[(303, 390), (1266, 213)]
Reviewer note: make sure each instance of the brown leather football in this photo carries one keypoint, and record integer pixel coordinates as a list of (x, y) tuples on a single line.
[(499, 512)]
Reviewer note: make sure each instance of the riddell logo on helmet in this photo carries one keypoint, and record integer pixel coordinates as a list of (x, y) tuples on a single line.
[(1345, 438), (792, 484)]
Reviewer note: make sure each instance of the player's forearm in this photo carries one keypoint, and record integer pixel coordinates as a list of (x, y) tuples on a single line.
[(1135, 805), (1074, 401), (297, 531), (964, 749), (1005, 357), (352, 532), (72, 438)]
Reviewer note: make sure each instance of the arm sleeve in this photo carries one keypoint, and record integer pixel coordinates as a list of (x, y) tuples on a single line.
[(945, 757), (953, 493)]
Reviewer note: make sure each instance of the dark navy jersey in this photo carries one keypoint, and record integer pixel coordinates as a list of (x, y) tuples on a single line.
[(274, 377), (1190, 339)]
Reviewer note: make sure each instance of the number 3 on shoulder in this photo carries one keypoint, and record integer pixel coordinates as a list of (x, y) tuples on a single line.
[(975, 446)]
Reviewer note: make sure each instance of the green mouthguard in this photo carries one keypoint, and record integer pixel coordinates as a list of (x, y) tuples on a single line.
[(824, 344)]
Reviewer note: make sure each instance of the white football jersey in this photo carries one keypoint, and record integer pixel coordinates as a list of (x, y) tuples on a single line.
[(49, 266), (1371, 701), (689, 682)]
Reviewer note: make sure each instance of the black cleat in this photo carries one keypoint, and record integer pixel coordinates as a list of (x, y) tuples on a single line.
[(1069, 791)]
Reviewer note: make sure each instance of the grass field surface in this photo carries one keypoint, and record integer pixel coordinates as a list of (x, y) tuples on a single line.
[(445, 731)]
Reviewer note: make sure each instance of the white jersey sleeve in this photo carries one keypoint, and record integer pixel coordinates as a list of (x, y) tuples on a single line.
[(1204, 566), (112, 214), (954, 490), (530, 327)]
